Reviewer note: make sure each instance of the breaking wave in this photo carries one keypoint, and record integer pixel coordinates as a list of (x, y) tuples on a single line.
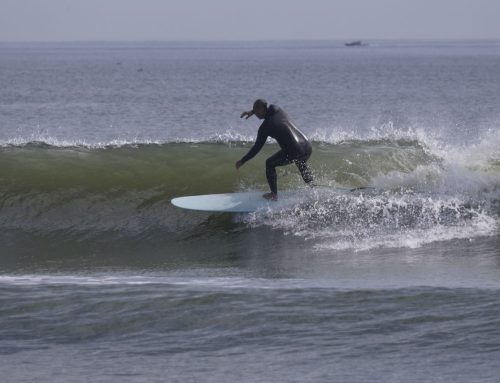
[(422, 192)]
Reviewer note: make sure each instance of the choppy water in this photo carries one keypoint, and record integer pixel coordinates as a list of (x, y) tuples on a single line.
[(102, 279)]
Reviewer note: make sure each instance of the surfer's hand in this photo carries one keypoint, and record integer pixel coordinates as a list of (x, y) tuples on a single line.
[(247, 114), (239, 164)]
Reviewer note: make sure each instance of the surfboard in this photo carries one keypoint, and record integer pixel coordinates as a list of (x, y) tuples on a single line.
[(244, 202)]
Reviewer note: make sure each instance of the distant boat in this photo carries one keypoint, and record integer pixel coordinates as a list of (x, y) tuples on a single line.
[(357, 43)]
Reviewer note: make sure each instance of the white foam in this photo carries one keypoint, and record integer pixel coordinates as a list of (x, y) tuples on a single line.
[(386, 131), (343, 279), (360, 221), (230, 135), (62, 143), (465, 170), (415, 238), (145, 280)]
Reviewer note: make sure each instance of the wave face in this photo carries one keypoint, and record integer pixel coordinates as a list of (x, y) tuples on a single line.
[(83, 193)]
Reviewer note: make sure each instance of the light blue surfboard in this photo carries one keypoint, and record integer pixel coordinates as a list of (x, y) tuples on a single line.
[(245, 202)]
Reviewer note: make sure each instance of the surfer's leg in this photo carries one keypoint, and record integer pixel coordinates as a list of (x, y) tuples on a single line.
[(305, 172), (301, 162), (278, 159)]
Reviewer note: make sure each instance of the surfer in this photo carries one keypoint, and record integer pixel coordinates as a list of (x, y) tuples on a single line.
[(295, 148)]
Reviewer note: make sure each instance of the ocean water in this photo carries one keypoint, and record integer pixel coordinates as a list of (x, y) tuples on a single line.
[(103, 280)]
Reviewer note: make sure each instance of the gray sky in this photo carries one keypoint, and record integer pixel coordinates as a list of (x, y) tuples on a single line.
[(58, 20)]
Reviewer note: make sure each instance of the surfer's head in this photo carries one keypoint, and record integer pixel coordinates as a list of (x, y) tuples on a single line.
[(260, 108)]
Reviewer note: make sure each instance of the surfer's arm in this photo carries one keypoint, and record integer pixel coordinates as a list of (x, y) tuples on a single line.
[(259, 143), (247, 115)]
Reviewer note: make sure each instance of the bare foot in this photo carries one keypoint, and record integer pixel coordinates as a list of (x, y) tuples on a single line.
[(270, 196)]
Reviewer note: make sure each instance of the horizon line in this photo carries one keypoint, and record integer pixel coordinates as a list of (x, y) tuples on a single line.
[(339, 40)]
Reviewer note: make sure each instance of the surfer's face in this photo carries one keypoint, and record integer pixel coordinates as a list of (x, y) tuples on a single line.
[(260, 112)]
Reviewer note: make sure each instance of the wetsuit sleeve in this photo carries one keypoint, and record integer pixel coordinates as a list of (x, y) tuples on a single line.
[(259, 143)]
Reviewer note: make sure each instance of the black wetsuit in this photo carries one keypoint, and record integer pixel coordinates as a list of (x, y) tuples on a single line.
[(294, 146)]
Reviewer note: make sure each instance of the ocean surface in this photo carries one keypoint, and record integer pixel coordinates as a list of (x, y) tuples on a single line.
[(103, 280)]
